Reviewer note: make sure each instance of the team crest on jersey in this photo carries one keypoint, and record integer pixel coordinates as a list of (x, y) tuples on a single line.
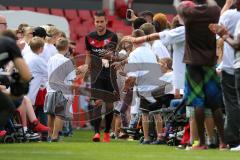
[(92, 42), (106, 41)]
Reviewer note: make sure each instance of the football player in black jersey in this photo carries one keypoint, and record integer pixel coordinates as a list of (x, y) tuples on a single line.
[(97, 42)]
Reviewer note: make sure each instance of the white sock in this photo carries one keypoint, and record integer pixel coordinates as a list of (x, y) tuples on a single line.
[(25, 129)]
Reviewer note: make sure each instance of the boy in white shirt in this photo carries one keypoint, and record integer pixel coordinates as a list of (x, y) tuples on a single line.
[(144, 72), (60, 75), (38, 67)]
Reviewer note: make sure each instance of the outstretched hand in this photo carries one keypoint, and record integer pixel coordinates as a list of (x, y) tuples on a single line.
[(129, 39), (83, 70), (107, 55), (117, 65), (218, 29)]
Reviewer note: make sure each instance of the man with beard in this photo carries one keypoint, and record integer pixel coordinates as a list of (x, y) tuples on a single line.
[(99, 70)]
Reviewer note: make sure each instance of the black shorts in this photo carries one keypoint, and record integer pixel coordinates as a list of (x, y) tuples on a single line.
[(164, 100), (103, 89), (103, 84), (146, 106)]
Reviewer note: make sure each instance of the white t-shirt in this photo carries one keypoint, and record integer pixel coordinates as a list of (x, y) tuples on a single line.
[(142, 64), (26, 49), (168, 77), (176, 38), (49, 50), (229, 19), (237, 55), (160, 50), (61, 73), (38, 69)]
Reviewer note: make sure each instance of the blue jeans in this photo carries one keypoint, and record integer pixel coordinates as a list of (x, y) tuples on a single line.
[(175, 103)]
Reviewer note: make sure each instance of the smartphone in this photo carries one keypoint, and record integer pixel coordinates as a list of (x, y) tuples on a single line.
[(129, 14)]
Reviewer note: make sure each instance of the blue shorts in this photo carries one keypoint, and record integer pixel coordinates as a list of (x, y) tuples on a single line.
[(202, 87)]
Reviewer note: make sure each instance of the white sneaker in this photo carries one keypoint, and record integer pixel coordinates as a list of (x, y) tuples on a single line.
[(235, 149), (32, 135), (188, 148)]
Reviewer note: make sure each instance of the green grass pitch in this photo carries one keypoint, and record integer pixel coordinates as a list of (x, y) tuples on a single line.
[(80, 147)]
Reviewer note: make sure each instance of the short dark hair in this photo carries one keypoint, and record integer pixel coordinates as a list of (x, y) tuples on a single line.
[(36, 43), (137, 33), (148, 28), (62, 44), (138, 22), (146, 13), (100, 14), (21, 27)]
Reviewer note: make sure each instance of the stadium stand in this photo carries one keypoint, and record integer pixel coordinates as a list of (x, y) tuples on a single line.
[(80, 22)]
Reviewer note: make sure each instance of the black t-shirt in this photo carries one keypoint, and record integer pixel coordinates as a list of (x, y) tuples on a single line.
[(8, 50), (97, 45)]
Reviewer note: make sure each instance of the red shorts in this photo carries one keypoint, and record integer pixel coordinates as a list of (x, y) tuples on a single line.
[(40, 98)]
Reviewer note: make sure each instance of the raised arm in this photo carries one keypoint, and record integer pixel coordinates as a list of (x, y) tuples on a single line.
[(227, 6), (147, 38)]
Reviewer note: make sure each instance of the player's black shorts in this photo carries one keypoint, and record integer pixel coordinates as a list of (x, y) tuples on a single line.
[(103, 84)]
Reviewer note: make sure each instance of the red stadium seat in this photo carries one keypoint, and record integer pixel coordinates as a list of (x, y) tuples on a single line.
[(73, 25), (126, 30), (84, 14), (57, 12), (117, 23), (14, 8), (43, 10), (71, 14), (73, 36), (80, 47), (82, 31), (29, 9)]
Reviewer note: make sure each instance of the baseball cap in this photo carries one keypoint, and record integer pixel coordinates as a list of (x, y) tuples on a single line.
[(40, 32)]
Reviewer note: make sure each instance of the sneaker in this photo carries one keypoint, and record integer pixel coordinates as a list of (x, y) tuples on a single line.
[(106, 137), (96, 137), (158, 142), (55, 140), (146, 142), (38, 127), (49, 139), (112, 135), (123, 135), (236, 148), (31, 135), (212, 146), (3, 133), (181, 146), (224, 147), (199, 147), (195, 143), (188, 148)]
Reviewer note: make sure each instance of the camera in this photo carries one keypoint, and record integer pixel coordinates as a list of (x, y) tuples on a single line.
[(17, 87)]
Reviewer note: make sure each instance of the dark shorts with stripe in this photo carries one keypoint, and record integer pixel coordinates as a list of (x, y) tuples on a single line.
[(202, 87)]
